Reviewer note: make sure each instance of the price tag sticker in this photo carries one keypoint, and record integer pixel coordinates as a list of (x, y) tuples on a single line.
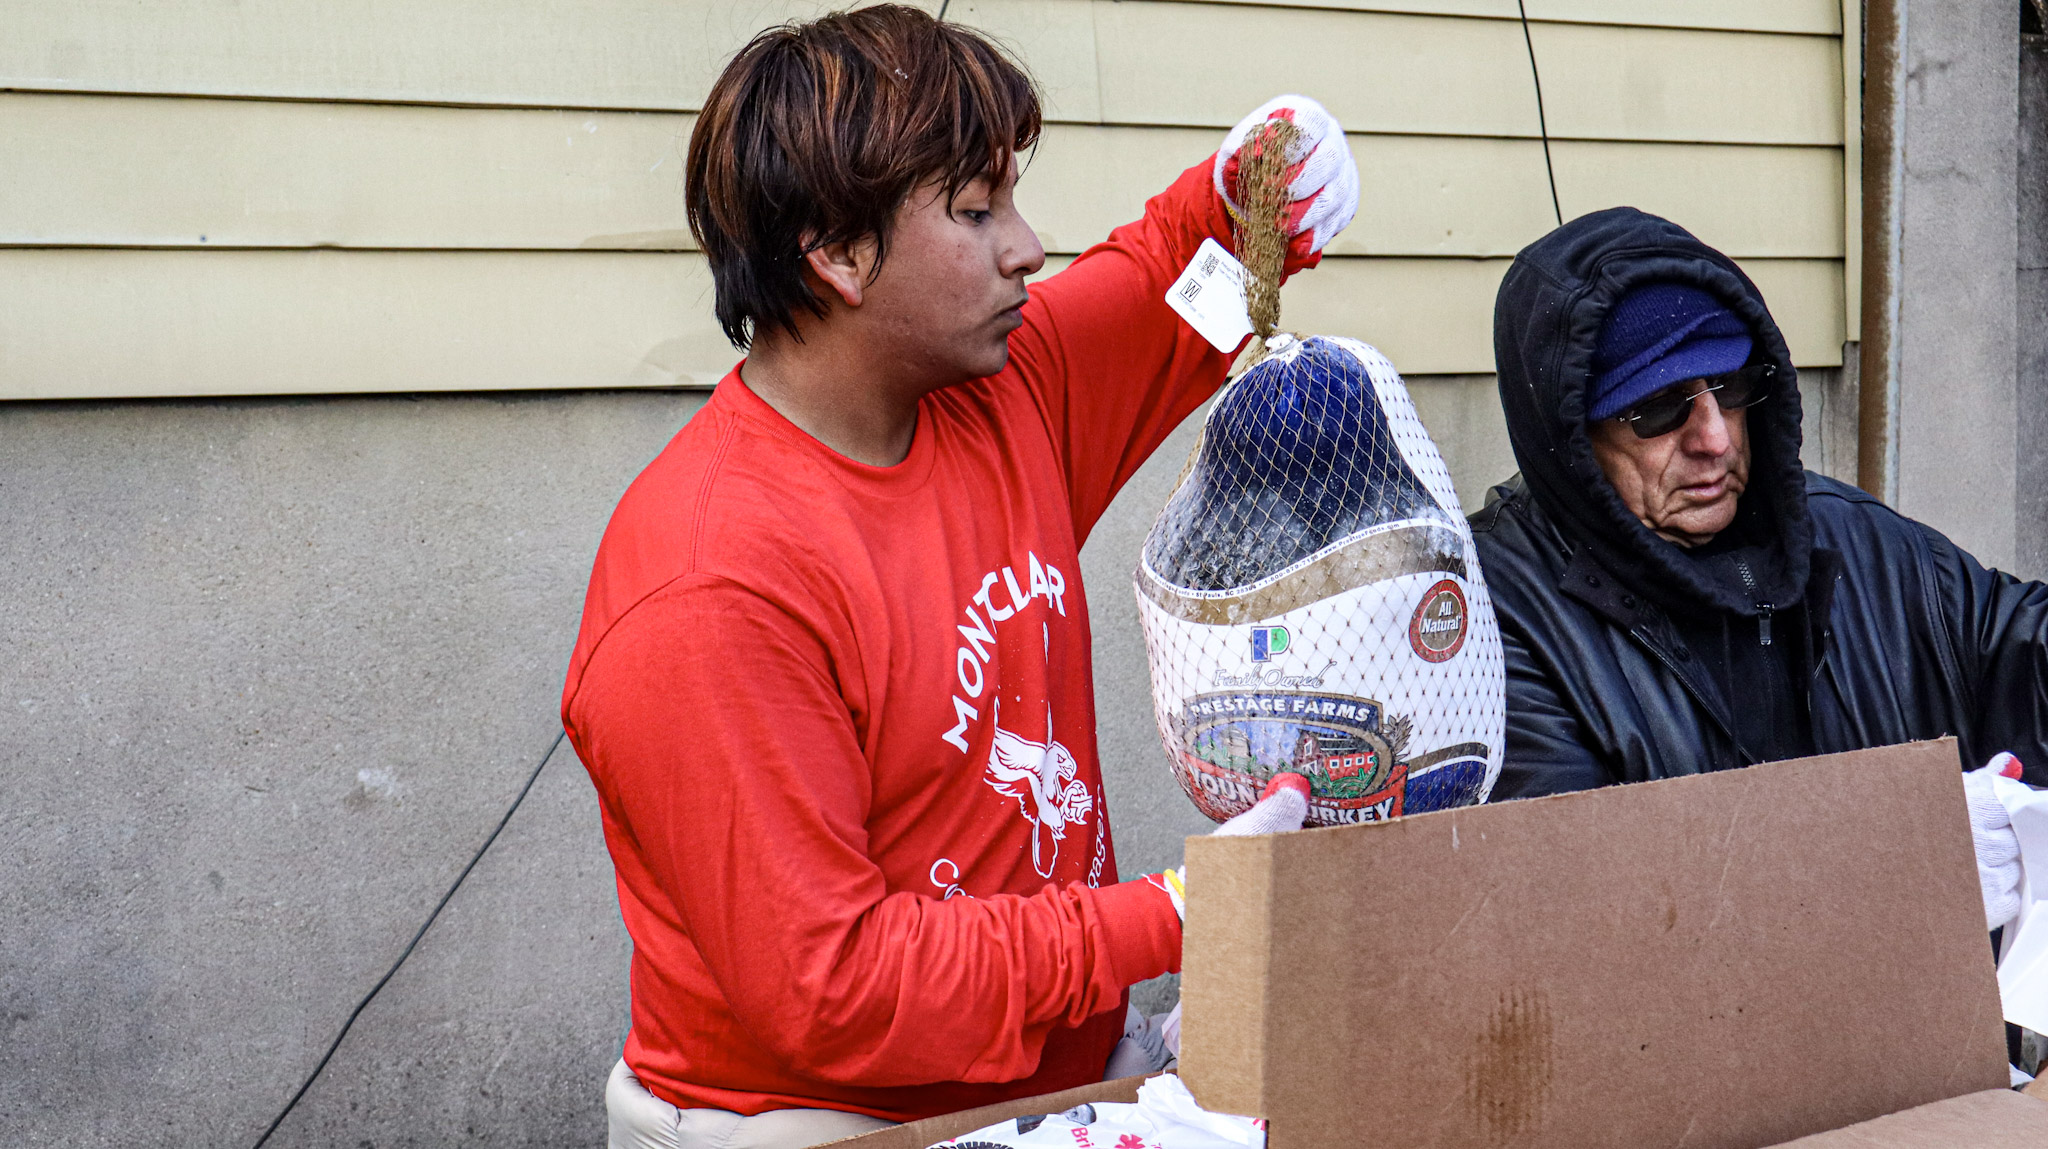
[(1210, 295)]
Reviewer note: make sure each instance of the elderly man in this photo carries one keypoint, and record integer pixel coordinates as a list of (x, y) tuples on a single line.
[(1677, 594)]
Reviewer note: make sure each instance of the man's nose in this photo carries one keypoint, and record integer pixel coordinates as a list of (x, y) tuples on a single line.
[(1706, 430), (1022, 253)]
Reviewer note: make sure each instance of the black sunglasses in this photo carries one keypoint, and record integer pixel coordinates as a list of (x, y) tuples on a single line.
[(1669, 409)]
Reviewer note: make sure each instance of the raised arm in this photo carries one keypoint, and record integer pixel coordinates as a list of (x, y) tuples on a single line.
[(1113, 368)]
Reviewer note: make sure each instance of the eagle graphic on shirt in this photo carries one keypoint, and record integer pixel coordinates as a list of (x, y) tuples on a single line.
[(1041, 777)]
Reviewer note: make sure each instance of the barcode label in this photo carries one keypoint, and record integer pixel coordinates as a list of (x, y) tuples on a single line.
[(1210, 295)]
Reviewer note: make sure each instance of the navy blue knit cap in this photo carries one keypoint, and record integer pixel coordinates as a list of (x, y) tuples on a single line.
[(1659, 335)]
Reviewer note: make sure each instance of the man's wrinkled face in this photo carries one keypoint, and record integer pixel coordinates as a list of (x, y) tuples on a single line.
[(951, 288), (1682, 485)]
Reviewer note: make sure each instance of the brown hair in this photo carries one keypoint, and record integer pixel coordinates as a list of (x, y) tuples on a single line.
[(817, 133)]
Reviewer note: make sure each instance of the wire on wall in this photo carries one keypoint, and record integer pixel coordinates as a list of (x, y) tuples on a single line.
[(1542, 125), (409, 946)]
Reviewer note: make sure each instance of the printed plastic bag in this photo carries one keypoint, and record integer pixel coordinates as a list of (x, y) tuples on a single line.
[(2023, 966), (1165, 1117), (1312, 601)]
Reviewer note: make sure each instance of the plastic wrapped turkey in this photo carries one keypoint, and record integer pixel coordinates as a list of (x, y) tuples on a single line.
[(1312, 600)]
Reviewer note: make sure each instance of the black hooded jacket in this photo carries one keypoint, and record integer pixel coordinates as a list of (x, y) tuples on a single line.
[(1881, 630)]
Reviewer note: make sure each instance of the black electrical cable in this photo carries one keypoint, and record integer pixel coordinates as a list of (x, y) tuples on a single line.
[(943, 5), (424, 927), (1542, 125)]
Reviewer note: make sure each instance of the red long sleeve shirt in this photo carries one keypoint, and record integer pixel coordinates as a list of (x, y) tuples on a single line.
[(841, 722)]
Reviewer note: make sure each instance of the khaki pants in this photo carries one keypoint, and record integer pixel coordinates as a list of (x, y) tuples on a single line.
[(640, 1120)]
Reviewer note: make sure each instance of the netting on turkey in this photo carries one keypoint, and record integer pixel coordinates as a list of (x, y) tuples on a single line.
[(1298, 456), (1310, 594)]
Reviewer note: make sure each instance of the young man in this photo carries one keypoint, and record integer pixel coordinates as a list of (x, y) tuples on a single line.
[(833, 682)]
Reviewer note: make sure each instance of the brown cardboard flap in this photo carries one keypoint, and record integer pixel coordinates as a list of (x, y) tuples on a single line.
[(919, 1134), (1993, 1119), (1724, 961)]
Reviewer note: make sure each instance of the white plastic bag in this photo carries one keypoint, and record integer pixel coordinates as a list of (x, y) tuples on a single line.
[(2023, 966), (1165, 1117)]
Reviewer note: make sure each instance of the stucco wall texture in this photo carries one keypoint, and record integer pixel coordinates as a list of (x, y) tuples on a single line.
[(271, 670), (2032, 306)]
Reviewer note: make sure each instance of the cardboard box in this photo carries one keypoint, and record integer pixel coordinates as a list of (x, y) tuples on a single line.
[(1989, 1119), (931, 1130), (1727, 961), (1993, 1119)]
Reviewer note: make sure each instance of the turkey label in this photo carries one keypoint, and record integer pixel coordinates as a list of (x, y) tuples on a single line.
[(1312, 601)]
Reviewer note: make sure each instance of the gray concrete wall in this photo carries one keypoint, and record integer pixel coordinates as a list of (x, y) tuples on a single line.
[(1828, 417), (269, 672), (1954, 422), (2031, 293)]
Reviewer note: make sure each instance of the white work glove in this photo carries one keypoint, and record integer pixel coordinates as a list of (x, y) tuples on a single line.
[(1153, 1042), (1282, 806), (1998, 848), (1324, 188)]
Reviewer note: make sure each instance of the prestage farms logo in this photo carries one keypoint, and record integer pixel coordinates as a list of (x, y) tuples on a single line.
[(1268, 641), (1230, 742), (1437, 631)]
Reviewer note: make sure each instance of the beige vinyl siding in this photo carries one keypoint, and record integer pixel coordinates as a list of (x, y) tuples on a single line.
[(151, 171), (1466, 197), (1162, 63), (458, 195), (1435, 316), (120, 323), (245, 173), (1852, 173), (1101, 61), (257, 322), (1820, 17)]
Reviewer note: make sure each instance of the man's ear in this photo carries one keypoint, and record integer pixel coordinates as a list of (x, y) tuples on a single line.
[(842, 268)]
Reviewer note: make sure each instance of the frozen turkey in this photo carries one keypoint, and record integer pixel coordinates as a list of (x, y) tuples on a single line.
[(1312, 600)]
